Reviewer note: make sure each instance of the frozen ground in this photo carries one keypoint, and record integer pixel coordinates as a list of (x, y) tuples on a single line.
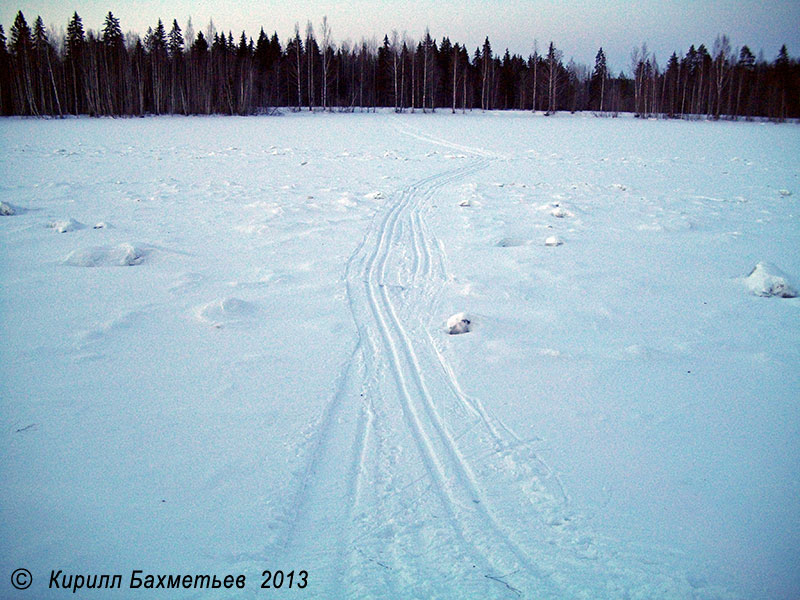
[(225, 349)]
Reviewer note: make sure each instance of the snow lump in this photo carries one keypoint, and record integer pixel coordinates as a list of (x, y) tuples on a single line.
[(121, 255), (66, 226), (225, 311), (768, 280), (458, 323), (553, 240), (560, 212)]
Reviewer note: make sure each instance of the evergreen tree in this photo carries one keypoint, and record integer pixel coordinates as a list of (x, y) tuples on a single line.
[(178, 97), (782, 69), (115, 60), (21, 46), (553, 72), (671, 83), (112, 33), (5, 76), (75, 43), (487, 65), (597, 85), (44, 54), (744, 72), (175, 40)]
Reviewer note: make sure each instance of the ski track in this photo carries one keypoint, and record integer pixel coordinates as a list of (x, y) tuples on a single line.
[(401, 445)]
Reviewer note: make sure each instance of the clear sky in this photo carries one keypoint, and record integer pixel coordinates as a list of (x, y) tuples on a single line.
[(578, 28)]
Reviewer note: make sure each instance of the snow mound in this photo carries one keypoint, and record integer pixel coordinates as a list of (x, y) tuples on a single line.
[(121, 255), (510, 242), (225, 311), (768, 280), (465, 202), (66, 226), (785, 192), (560, 212), (346, 200), (102, 225), (458, 323), (374, 196), (553, 240), (7, 210)]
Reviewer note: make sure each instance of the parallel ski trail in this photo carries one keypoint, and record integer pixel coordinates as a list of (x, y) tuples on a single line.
[(398, 399), (451, 477)]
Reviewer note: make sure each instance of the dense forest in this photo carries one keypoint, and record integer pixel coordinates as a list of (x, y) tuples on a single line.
[(83, 72)]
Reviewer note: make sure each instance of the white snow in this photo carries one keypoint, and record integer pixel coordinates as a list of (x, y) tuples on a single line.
[(553, 240), (560, 212), (509, 242), (273, 385), (458, 323), (121, 255), (768, 280), (66, 226), (224, 311)]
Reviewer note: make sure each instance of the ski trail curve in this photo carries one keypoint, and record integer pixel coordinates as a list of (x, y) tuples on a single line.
[(411, 487), (382, 302)]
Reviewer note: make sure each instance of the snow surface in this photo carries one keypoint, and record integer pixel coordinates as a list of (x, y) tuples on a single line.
[(270, 386)]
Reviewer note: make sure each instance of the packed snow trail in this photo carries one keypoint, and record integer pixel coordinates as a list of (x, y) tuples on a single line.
[(411, 487)]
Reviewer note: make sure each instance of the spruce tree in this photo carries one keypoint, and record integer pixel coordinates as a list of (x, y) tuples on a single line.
[(76, 42), (175, 43), (597, 84), (5, 76), (21, 46)]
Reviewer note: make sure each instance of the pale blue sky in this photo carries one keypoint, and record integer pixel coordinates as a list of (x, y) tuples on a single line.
[(578, 28)]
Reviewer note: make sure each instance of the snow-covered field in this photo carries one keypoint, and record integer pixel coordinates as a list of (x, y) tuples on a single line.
[(225, 349)]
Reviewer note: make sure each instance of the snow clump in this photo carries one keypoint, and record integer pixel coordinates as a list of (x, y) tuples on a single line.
[(6, 210), (121, 255), (560, 212), (768, 280), (66, 226), (458, 323), (224, 311), (553, 240)]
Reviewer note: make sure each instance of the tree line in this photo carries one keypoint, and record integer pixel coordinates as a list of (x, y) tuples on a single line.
[(106, 73)]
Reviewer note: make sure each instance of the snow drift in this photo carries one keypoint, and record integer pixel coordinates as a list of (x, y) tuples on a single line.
[(121, 255), (768, 280), (66, 226), (225, 311)]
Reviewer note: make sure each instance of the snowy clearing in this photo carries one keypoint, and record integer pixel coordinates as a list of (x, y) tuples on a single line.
[(272, 385)]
